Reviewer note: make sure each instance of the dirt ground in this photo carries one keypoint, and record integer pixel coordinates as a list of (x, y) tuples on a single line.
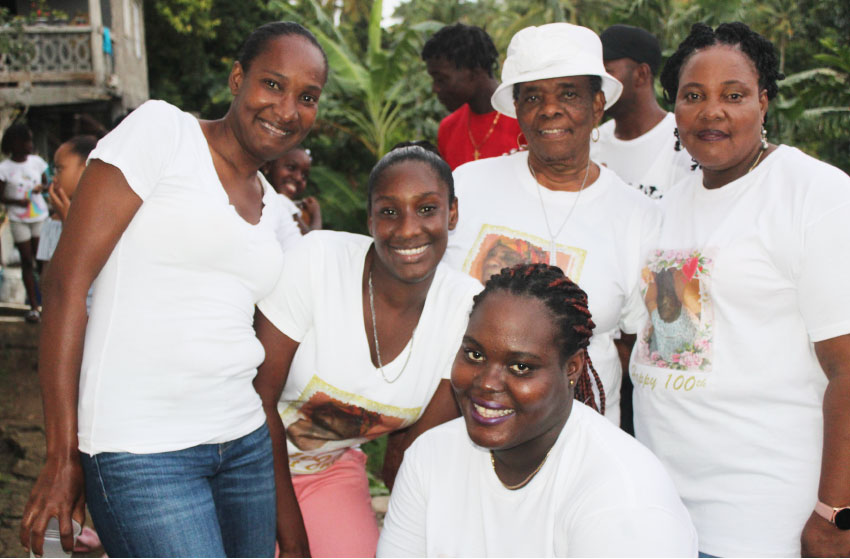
[(21, 425)]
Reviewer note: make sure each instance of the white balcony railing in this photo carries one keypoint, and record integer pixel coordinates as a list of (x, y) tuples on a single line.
[(54, 54)]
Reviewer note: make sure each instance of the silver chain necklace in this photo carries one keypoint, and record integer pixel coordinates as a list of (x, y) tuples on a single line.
[(375, 337), (552, 248)]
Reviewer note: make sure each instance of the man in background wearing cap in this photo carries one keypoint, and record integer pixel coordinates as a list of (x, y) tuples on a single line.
[(551, 203), (460, 60), (638, 143)]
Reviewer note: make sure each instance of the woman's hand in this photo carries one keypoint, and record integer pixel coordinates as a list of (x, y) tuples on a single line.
[(57, 492), (88, 238), (312, 207), (59, 200)]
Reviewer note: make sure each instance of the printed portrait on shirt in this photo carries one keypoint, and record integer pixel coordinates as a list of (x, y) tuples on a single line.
[(501, 247), (675, 287), (325, 421)]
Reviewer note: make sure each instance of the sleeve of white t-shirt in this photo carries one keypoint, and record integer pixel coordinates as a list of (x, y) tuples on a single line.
[(290, 304), (287, 231), (403, 534), (633, 532), (633, 315), (142, 145), (824, 273), (40, 165)]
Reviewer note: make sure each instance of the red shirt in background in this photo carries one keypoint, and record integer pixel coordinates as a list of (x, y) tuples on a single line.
[(453, 136)]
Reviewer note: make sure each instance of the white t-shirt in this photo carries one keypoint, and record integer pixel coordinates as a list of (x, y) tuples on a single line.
[(334, 397), (601, 248), (288, 232), (170, 351), (20, 180), (600, 493), (649, 162), (731, 404)]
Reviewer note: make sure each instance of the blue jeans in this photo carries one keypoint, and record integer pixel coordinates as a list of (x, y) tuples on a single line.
[(211, 500)]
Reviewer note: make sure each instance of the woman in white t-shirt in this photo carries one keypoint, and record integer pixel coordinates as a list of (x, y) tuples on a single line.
[(156, 414), (746, 401), (22, 182), (360, 334), (552, 203), (529, 471)]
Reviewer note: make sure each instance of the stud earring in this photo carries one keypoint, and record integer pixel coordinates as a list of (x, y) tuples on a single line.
[(678, 145), (572, 383)]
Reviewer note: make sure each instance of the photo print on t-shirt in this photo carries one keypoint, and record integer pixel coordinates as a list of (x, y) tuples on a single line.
[(499, 247), (325, 422), (675, 286)]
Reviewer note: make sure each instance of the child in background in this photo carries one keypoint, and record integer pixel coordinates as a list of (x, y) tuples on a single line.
[(69, 162), (288, 176), (22, 181)]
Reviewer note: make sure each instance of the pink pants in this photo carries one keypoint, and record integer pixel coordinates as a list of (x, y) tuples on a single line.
[(337, 509)]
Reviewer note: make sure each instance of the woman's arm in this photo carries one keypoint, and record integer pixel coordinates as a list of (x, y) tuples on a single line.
[(103, 207), (441, 408), (820, 538), (269, 382)]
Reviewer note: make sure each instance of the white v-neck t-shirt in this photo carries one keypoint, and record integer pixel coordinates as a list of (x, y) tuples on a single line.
[(334, 397), (170, 350)]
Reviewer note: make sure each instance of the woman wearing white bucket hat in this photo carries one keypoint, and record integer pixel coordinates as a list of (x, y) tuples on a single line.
[(551, 203)]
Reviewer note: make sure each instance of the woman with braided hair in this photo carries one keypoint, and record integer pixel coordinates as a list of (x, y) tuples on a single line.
[(532, 468)]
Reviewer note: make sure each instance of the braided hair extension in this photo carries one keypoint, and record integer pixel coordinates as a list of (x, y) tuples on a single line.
[(758, 49), (467, 46), (568, 305)]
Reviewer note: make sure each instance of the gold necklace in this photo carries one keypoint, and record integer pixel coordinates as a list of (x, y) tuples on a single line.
[(758, 158), (476, 153), (524, 482)]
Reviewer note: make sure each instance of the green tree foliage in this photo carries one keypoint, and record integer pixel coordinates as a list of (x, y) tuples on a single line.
[(379, 93)]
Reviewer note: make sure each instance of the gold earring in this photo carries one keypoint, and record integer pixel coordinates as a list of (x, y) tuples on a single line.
[(520, 146), (596, 130), (572, 383)]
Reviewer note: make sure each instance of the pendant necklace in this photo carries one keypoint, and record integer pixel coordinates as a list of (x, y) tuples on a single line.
[(375, 337), (524, 482), (552, 237), (476, 152)]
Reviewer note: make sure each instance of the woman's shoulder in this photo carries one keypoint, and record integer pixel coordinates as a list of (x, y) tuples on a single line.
[(609, 454), (445, 439), (455, 283), (797, 166), (485, 174), (331, 248)]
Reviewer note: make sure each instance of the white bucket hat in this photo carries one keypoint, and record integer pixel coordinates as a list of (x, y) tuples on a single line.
[(554, 50)]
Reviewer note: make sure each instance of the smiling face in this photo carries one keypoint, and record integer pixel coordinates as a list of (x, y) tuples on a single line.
[(453, 86), (276, 99), (410, 219), (288, 174), (556, 116), (69, 167), (720, 109), (510, 379)]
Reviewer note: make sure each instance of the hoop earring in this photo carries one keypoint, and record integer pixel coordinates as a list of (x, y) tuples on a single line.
[(678, 145), (764, 144), (596, 139), (520, 146)]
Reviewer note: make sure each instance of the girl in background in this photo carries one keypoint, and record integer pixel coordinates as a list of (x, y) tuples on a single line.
[(22, 181)]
